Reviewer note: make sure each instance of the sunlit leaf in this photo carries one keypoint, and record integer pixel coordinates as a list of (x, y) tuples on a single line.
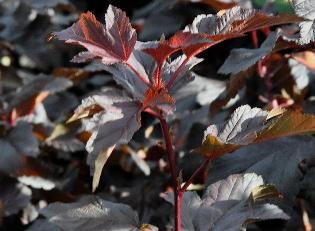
[(112, 43)]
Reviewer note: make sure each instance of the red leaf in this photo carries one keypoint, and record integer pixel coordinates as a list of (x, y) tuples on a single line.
[(161, 52), (189, 43), (112, 43), (158, 97), (185, 41)]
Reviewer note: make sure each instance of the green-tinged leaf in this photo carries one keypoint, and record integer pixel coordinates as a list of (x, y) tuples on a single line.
[(59, 130), (282, 6), (288, 124), (241, 129), (100, 161), (213, 147), (263, 192), (148, 227), (252, 125)]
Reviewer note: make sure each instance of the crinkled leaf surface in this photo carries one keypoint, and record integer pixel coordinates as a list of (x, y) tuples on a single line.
[(247, 125), (301, 74), (92, 213), (305, 9), (117, 121), (112, 43), (226, 206), (145, 65), (240, 129), (272, 160), (237, 20), (288, 124)]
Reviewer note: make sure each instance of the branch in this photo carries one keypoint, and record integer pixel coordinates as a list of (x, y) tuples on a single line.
[(196, 173), (176, 74), (172, 161), (137, 73), (170, 150)]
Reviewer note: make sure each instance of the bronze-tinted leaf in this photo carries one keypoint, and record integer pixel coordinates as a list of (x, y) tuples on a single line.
[(252, 125), (238, 20), (112, 43)]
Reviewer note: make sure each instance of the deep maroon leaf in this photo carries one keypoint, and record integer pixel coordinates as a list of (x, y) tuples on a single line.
[(112, 43)]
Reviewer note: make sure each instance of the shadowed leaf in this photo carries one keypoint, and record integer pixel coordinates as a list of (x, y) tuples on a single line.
[(226, 205), (92, 213)]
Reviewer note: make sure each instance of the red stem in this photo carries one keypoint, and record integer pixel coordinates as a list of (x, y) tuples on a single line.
[(137, 73), (170, 150), (172, 161), (196, 173), (178, 190), (178, 210), (259, 66), (266, 31), (157, 76), (254, 37)]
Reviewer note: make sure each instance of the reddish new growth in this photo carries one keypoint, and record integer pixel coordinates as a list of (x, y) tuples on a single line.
[(149, 75)]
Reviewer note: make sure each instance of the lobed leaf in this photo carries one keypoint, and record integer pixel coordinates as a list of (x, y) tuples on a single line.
[(189, 43), (305, 9), (113, 43), (116, 123), (241, 129), (252, 125), (158, 97), (226, 205), (272, 160), (143, 65), (91, 213), (237, 20), (288, 124)]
